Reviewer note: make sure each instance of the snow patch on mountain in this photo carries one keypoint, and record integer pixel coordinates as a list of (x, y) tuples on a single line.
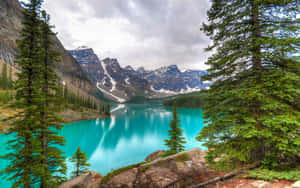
[(190, 90), (207, 82), (182, 91), (127, 81), (82, 48), (110, 94), (113, 82)]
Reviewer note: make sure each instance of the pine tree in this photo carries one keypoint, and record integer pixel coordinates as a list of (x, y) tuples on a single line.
[(176, 140), (25, 146), (80, 160), (253, 105), (52, 166), (10, 79), (4, 79), (107, 110)]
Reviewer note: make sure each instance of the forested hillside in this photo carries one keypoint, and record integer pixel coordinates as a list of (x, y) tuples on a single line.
[(193, 100)]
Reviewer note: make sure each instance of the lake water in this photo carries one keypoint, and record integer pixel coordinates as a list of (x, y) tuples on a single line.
[(128, 137)]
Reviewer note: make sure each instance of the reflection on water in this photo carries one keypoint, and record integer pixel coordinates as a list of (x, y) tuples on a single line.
[(128, 137)]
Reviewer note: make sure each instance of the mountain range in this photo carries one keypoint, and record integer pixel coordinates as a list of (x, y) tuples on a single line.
[(86, 74), (122, 83)]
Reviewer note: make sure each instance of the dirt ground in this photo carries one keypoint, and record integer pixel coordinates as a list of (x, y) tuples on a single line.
[(237, 182)]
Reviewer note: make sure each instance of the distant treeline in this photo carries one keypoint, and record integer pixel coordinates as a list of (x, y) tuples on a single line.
[(6, 79), (76, 100), (194, 100), (6, 85), (80, 101), (6, 96)]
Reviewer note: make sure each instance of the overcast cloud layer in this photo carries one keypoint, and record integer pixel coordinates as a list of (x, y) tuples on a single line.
[(149, 33)]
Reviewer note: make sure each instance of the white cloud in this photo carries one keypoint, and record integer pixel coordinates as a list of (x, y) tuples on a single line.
[(137, 32)]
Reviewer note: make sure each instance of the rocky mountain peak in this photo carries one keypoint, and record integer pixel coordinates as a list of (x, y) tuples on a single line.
[(173, 69), (128, 67), (112, 62), (83, 48), (141, 70), (122, 83)]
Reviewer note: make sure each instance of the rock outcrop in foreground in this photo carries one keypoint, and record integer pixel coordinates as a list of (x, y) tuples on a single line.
[(87, 180), (162, 171), (185, 169)]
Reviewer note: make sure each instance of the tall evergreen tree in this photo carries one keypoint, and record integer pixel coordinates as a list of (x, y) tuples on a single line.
[(80, 160), (176, 140), (107, 110), (25, 147), (4, 79), (253, 105), (53, 167), (10, 79)]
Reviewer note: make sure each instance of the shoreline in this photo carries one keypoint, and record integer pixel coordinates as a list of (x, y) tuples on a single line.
[(68, 115)]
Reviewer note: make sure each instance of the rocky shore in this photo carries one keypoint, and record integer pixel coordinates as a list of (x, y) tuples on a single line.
[(68, 115), (185, 169)]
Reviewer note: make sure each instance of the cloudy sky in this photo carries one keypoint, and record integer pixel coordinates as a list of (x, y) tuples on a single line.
[(149, 33)]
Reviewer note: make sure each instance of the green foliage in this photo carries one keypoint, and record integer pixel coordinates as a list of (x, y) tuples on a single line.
[(195, 100), (80, 160), (77, 101), (271, 175), (53, 167), (182, 157), (6, 97), (35, 158), (176, 140), (168, 153), (6, 82), (107, 110), (4, 79), (253, 107), (119, 171), (23, 166)]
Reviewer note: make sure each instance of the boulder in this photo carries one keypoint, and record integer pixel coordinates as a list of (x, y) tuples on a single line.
[(88, 180), (260, 184), (296, 184), (161, 171), (125, 179), (155, 155), (157, 177)]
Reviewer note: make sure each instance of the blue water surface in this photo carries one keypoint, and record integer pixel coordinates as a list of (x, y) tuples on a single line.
[(133, 132)]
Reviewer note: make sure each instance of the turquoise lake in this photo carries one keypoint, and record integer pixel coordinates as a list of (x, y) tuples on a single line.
[(128, 137)]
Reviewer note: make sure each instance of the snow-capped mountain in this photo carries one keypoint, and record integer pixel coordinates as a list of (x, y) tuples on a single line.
[(171, 80), (120, 84), (89, 61)]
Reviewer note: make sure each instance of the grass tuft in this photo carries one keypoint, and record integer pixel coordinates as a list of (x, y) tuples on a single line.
[(182, 157), (119, 171)]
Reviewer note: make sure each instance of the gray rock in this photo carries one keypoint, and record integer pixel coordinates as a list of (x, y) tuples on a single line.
[(296, 184), (155, 155), (88, 180), (125, 179), (260, 184), (162, 171)]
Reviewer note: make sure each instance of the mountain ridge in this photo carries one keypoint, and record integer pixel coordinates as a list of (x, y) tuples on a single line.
[(123, 83)]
